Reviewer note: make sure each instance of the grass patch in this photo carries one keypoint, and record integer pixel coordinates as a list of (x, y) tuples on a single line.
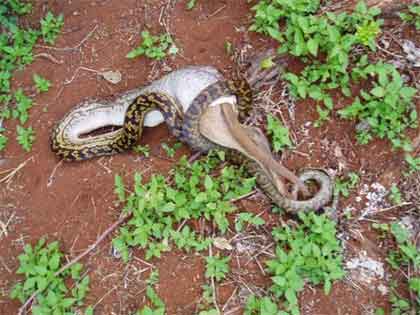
[(40, 265), (309, 252), (158, 206), (412, 16), (405, 259), (324, 43), (16, 46), (154, 47), (279, 134)]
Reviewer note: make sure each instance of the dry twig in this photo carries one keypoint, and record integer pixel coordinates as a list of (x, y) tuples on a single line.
[(51, 178), (4, 226), (8, 178), (49, 57)]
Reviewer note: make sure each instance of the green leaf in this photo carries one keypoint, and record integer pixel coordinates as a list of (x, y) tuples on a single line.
[(52, 298), (274, 33), (42, 283), (407, 92), (291, 296), (280, 134), (41, 310), (54, 262), (313, 45), (191, 4), (119, 187), (361, 8), (67, 302), (135, 53), (379, 311), (378, 91), (327, 287), (399, 232), (267, 63), (25, 137), (208, 183), (89, 310), (42, 270), (328, 102), (29, 284), (42, 85), (155, 47)]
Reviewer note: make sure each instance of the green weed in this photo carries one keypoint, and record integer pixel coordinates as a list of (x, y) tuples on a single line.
[(158, 307), (414, 285), (395, 195), (386, 107), (51, 27), (400, 306), (207, 296), (158, 206), (154, 47), (21, 110), (39, 265), (153, 278), (119, 188), (142, 149), (170, 151), (407, 253), (3, 139), (16, 46), (405, 257), (157, 304), (41, 84), (191, 4), (187, 240), (279, 133), (333, 35), (262, 306), (12, 6), (217, 267), (216, 270), (343, 186), (309, 251), (413, 163), (412, 16), (25, 137), (247, 218)]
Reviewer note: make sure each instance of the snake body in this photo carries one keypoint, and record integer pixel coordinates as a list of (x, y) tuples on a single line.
[(191, 135), (125, 137), (172, 98), (190, 132), (177, 88)]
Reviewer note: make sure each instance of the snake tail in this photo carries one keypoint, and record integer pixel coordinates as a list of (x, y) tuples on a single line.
[(124, 138)]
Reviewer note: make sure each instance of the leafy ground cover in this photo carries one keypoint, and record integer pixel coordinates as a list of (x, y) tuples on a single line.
[(16, 51)]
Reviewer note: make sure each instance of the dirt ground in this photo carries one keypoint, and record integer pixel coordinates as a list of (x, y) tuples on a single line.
[(74, 202)]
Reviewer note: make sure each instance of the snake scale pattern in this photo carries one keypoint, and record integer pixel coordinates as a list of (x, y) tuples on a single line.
[(190, 134), (181, 113), (127, 136)]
